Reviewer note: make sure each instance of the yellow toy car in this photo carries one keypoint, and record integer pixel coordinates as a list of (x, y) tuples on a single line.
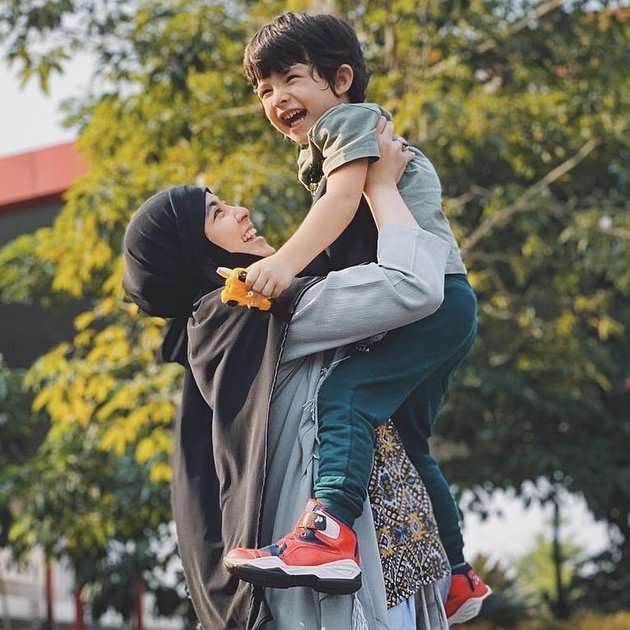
[(235, 293)]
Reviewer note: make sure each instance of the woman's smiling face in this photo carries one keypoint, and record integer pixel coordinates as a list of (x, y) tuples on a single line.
[(230, 227)]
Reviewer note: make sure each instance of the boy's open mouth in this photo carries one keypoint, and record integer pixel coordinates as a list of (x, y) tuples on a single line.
[(294, 117)]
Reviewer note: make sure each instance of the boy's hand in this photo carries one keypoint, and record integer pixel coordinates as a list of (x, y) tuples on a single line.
[(269, 276)]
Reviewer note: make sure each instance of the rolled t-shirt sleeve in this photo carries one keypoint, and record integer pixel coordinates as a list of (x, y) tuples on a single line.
[(346, 133)]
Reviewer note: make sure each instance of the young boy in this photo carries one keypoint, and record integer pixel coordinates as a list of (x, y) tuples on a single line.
[(310, 75)]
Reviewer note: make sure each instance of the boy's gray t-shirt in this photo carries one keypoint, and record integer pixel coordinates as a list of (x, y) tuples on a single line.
[(347, 132)]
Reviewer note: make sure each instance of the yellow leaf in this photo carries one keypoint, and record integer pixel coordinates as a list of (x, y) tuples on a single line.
[(161, 472), (42, 399), (145, 450), (82, 321), (566, 323), (83, 338)]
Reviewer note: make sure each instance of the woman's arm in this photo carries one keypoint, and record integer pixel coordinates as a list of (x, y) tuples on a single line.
[(381, 184), (407, 283)]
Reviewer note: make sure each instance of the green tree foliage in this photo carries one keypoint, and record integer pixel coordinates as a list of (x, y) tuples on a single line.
[(523, 107), (89, 507), (137, 566), (536, 572), (21, 432)]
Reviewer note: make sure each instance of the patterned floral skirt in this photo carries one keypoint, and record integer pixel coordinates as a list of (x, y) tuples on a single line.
[(409, 544)]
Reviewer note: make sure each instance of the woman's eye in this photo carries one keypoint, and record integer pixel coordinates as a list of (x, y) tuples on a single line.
[(291, 77), (217, 212), (263, 92)]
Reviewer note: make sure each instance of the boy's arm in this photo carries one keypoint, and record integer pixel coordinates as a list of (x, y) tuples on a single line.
[(325, 221)]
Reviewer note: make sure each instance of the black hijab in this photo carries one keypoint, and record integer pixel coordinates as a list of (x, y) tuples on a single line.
[(169, 263)]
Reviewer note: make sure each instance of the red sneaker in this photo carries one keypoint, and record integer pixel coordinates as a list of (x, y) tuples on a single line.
[(321, 552), (465, 595)]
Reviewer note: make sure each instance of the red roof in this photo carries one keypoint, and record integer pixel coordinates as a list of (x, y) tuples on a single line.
[(40, 176)]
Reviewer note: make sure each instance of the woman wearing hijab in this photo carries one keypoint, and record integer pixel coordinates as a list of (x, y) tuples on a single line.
[(246, 448)]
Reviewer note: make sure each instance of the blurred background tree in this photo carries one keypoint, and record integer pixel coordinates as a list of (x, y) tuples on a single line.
[(523, 107)]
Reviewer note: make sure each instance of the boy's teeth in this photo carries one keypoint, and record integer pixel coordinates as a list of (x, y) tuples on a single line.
[(294, 117)]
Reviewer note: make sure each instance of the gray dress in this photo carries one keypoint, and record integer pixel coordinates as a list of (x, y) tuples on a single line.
[(348, 306)]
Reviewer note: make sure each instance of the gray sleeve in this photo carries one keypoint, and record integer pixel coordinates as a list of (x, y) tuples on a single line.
[(407, 284), (346, 133)]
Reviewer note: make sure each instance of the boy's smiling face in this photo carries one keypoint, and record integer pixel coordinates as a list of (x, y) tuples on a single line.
[(295, 99)]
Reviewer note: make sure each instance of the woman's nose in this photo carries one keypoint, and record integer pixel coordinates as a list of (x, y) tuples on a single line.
[(242, 214)]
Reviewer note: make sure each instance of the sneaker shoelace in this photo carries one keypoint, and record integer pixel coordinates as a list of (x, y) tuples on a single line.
[(473, 579)]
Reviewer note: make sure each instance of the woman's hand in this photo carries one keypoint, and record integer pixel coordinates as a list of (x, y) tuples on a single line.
[(388, 169), (381, 192)]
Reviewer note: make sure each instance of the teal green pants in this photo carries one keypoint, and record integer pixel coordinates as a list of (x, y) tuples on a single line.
[(403, 377)]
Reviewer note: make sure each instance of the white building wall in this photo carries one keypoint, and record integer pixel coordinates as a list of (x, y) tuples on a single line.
[(23, 596), (22, 589)]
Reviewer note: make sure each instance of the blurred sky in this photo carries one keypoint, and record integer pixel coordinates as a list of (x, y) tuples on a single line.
[(29, 119)]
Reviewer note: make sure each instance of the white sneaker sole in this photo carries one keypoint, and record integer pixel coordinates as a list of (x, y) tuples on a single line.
[(339, 577), (468, 610)]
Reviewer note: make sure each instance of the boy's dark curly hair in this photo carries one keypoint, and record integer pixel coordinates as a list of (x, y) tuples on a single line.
[(324, 41)]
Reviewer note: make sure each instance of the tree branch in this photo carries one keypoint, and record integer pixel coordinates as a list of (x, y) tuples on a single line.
[(523, 202), (500, 285), (489, 259), (473, 192), (542, 9), (620, 232)]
